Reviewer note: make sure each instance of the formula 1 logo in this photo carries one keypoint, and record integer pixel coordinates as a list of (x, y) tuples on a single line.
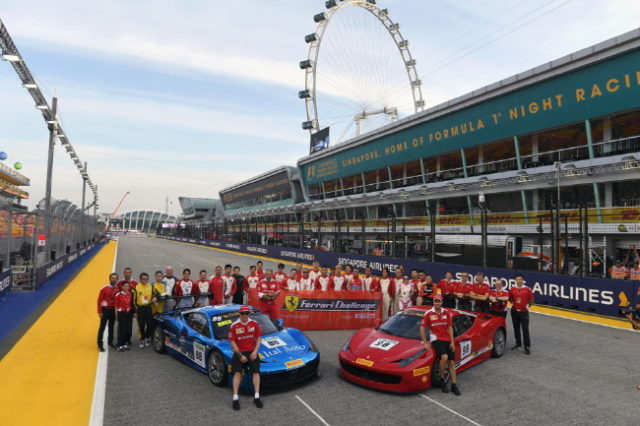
[(291, 302)]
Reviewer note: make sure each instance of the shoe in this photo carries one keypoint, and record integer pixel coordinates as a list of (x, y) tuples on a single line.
[(126, 347), (236, 404), (516, 347), (141, 344), (258, 403), (443, 386), (455, 390), (120, 348), (101, 349), (527, 351), (147, 342)]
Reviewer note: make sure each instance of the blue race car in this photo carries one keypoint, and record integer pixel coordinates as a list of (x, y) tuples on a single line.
[(198, 337)]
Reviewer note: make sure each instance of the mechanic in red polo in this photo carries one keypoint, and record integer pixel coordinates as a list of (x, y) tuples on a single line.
[(521, 298), (268, 291), (245, 337), (440, 324)]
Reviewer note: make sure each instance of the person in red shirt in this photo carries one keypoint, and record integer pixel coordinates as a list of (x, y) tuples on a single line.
[(446, 286), (259, 270), (356, 284), (428, 290), (123, 304), (462, 290), (323, 280), (217, 287), (280, 275), (480, 293), (184, 288), (292, 282), (268, 291), (245, 337), (440, 324), (106, 311), (299, 269), (126, 274), (251, 281), (370, 281), (521, 298), (499, 298), (305, 282)]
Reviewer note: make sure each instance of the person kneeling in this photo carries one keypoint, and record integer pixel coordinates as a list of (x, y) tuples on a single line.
[(245, 336)]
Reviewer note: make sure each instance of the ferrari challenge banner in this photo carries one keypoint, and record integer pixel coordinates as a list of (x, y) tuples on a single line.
[(594, 295), (326, 310)]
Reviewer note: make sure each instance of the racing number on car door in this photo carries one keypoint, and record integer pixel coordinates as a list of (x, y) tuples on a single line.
[(198, 353), (465, 348)]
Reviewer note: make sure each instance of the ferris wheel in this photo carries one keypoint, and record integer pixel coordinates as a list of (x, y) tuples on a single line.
[(359, 82)]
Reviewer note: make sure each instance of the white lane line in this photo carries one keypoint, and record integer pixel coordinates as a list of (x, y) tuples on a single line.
[(100, 387), (324, 422), (583, 321), (449, 409)]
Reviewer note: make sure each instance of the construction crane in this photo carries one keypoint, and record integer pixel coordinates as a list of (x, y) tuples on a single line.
[(115, 211)]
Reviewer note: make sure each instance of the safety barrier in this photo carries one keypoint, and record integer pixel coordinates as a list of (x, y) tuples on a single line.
[(595, 295), (5, 282), (48, 270)]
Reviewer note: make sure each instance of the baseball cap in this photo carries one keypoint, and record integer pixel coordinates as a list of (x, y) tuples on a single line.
[(437, 297), (244, 308)]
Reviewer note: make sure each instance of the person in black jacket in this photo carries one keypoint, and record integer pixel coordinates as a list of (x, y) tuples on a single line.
[(240, 283)]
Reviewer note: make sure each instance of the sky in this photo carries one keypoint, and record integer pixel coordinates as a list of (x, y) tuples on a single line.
[(168, 99)]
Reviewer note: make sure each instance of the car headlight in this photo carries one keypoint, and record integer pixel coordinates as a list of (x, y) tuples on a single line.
[(346, 346), (312, 346), (406, 361)]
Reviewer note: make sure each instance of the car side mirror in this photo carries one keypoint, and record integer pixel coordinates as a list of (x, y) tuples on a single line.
[(280, 322)]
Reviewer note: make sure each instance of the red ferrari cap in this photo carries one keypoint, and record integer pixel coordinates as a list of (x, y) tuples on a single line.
[(437, 297), (244, 308)]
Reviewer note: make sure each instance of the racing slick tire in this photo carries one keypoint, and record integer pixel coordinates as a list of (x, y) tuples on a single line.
[(499, 343), (158, 339), (436, 372), (217, 368)]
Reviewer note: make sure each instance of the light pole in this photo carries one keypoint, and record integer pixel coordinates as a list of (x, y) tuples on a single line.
[(53, 132), (483, 227)]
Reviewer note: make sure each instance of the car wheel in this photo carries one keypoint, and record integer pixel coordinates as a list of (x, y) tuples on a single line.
[(158, 340), (499, 343), (436, 373), (217, 368)]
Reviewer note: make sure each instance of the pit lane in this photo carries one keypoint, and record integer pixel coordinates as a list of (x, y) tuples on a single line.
[(577, 374)]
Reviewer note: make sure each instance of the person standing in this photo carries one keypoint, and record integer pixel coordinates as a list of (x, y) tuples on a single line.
[(123, 304), (245, 337), (634, 273), (230, 285), (291, 283), (446, 286), (405, 290), (315, 271), (429, 289), (238, 296), (127, 274), (185, 288), (106, 311), (480, 293), (387, 288), (499, 298), (260, 269), (268, 291), (217, 286), (305, 283), (462, 290), (338, 280), (323, 281), (280, 275), (348, 274), (170, 281), (521, 298), (251, 282), (159, 294), (204, 286), (355, 283), (440, 324), (143, 299), (370, 281)]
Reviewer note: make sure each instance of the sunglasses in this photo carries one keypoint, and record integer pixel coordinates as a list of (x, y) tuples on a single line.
[(244, 313)]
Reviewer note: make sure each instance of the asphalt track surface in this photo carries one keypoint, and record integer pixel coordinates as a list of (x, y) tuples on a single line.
[(577, 374)]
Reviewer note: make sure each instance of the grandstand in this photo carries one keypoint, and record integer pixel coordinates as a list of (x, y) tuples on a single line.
[(541, 159), (141, 220)]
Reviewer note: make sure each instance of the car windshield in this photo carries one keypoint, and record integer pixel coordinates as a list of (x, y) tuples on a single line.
[(404, 324), (221, 323)]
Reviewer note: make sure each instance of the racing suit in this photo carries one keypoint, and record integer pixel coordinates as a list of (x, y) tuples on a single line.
[(217, 288), (204, 286), (339, 282), (387, 288), (323, 283), (251, 282), (290, 284), (185, 288), (305, 284), (169, 282), (229, 287), (370, 283)]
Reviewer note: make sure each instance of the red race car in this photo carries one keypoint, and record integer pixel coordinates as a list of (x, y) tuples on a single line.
[(392, 357)]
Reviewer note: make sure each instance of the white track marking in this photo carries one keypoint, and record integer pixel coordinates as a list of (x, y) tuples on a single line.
[(583, 321), (324, 422), (449, 409), (99, 389)]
